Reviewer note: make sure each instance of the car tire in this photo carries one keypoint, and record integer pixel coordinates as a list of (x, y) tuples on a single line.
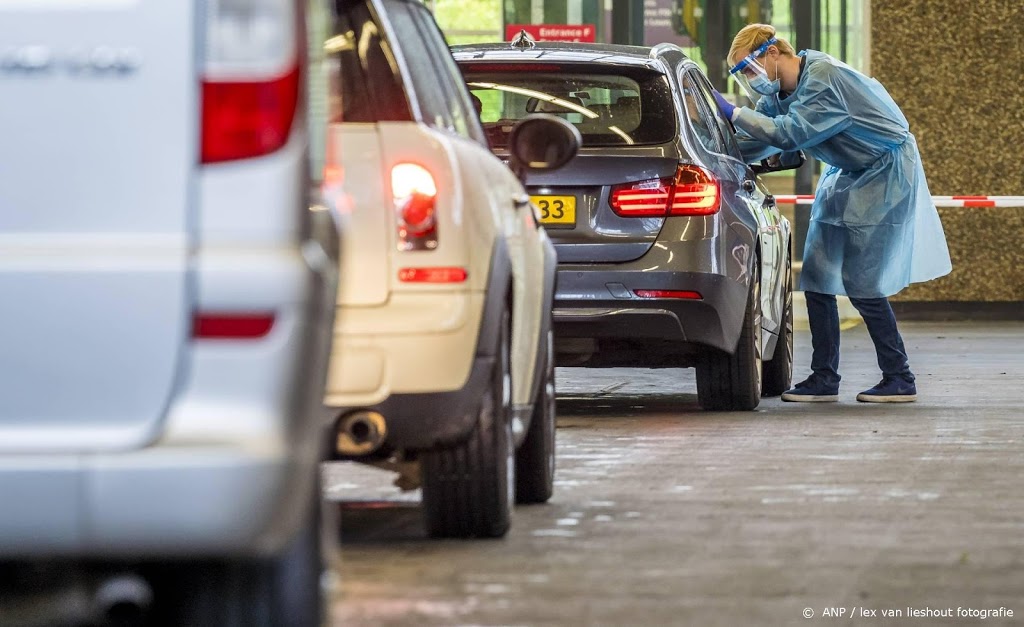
[(778, 371), (468, 488), (733, 382), (535, 459), (281, 590)]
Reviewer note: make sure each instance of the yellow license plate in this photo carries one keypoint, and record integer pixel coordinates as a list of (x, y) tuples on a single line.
[(556, 210)]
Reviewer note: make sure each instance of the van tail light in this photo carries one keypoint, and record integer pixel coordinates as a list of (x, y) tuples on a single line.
[(693, 191), (248, 119), (231, 326), (251, 78), (414, 193)]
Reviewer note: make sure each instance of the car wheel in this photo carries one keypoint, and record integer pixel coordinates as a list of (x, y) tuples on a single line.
[(468, 489), (778, 372), (281, 590), (733, 382), (535, 459)]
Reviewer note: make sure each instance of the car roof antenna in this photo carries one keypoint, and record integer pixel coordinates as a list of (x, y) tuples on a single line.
[(523, 41)]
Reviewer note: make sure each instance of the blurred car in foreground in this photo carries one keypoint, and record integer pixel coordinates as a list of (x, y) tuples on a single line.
[(442, 367), (670, 251), (167, 303)]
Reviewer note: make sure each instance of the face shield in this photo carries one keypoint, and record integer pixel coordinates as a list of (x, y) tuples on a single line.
[(752, 76)]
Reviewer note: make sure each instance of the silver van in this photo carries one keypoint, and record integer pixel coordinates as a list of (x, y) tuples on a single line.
[(166, 300)]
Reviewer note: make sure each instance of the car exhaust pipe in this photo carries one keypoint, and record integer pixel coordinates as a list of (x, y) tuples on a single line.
[(361, 432), (122, 599)]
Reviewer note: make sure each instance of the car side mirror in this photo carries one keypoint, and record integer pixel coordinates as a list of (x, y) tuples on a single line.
[(540, 143), (779, 162)]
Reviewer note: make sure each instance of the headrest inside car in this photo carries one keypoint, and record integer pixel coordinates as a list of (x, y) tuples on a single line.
[(535, 105)]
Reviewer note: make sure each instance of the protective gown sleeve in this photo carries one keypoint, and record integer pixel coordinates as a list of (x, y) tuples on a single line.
[(819, 112), (755, 150)]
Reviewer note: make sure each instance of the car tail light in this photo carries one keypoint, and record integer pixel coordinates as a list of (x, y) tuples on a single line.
[(250, 86), (692, 192), (695, 192), (414, 193), (643, 199), (207, 326), (432, 275), (668, 294)]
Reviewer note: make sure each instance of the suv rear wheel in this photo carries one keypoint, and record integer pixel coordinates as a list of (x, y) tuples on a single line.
[(733, 382), (468, 489), (535, 460)]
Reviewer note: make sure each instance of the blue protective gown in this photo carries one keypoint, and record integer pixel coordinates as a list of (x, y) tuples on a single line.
[(873, 229)]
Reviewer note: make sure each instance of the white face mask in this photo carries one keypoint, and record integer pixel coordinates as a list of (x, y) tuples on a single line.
[(765, 87)]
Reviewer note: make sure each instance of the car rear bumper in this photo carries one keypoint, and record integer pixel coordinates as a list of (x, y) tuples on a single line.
[(602, 303)]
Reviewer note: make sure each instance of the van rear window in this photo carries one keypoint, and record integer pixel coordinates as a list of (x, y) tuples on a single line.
[(609, 109)]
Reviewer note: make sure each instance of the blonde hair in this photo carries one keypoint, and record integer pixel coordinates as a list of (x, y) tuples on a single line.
[(751, 37)]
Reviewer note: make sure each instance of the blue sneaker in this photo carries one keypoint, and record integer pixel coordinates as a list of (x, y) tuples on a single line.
[(812, 391), (890, 390)]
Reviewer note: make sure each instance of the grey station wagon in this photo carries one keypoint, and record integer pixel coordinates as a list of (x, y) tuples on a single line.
[(671, 253)]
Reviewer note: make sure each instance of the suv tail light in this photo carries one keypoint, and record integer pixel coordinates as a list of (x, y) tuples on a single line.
[(432, 275), (250, 86), (692, 192), (415, 197)]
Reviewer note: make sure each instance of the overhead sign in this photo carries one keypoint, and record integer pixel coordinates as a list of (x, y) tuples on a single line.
[(554, 32), (658, 26)]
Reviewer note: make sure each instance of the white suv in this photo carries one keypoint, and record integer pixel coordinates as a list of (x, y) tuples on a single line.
[(166, 303), (443, 337)]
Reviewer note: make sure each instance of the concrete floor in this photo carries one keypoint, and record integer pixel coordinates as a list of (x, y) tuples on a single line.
[(666, 515)]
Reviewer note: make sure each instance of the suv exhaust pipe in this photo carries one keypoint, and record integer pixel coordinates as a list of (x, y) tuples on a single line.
[(360, 432)]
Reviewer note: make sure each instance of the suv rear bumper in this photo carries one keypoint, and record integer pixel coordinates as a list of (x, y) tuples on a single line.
[(601, 303), (415, 343), (427, 385)]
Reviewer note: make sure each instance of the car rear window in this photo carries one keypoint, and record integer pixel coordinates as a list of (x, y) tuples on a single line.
[(609, 109)]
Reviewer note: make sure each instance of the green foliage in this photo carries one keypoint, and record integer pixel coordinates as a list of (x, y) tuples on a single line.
[(471, 39), (455, 15)]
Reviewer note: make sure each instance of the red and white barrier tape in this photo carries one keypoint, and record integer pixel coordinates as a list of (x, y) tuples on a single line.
[(940, 201)]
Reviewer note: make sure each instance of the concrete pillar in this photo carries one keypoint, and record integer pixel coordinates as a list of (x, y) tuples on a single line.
[(628, 22)]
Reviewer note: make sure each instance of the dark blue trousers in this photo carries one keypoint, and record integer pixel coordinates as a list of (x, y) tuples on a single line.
[(823, 315)]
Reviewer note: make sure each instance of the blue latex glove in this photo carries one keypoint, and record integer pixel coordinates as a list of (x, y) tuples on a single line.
[(728, 109)]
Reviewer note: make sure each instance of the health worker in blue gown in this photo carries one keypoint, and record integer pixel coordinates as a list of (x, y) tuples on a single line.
[(873, 228)]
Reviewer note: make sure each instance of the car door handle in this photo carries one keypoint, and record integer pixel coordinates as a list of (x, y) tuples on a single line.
[(749, 186)]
